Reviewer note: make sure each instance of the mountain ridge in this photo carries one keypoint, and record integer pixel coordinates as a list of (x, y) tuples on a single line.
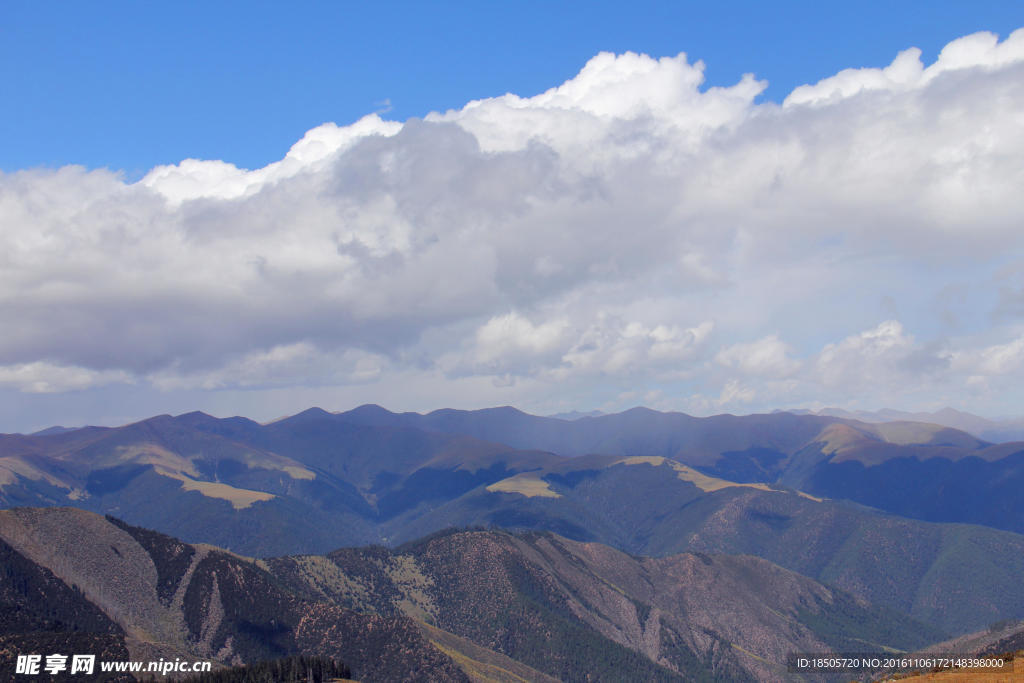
[(321, 480), (490, 598)]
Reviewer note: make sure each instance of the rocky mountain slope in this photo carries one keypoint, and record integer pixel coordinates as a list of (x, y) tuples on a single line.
[(143, 596), (479, 605)]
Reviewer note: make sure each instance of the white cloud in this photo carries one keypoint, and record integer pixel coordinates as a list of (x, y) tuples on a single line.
[(605, 343), (612, 346), (767, 357), (300, 363), (511, 335), (611, 109), (978, 50), (40, 377), (734, 393), (866, 357), (629, 225), (997, 360), (196, 179)]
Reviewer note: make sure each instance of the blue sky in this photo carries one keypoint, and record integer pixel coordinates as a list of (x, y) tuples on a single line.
[(252, 208), (129, 85)]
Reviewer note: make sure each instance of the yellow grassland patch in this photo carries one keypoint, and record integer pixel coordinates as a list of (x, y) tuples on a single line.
[(480, 664), (477, 670), (12, 467), (751, 654), (268, 461), (296, 472), (158, 456), (907, 433), (207, 548), (526, 484), (839, 437), (239, 498), (698, 479), (175, 466)]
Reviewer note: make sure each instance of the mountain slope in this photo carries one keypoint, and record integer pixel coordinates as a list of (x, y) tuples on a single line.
[(916, 469), (307, 483), (317, 481), (657, 507), (549, 602), (410, 482), (996, 431), (483, 605), (157, 597), (344, 476)]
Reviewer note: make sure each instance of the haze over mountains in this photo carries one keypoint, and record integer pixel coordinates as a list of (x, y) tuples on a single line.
[(997, 430), (920, 519), (369, 475)]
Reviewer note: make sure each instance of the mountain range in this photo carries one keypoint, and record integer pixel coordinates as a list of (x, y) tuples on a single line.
[(368, 474), (999, 430), (919, 519), (455, 606)]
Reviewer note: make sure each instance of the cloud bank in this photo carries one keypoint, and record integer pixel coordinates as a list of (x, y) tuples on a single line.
[(627, 236)]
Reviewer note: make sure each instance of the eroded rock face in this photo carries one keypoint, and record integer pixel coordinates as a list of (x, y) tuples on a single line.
[(136, 594), (538, 603), (560, 605)]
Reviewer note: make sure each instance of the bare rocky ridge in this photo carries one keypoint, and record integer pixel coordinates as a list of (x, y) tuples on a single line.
[(527, 596), (477, 605), (108, 566), (222, 607)]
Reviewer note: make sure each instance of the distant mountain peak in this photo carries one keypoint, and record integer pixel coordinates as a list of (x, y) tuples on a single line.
[(195, 418), (314, 412), (639, 410), (56, 429), (370, 408), (508, 410), (195, 414), (495, 411), (307, 415)]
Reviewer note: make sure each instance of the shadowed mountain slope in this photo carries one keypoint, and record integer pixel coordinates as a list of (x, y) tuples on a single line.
[(483, 605), (958, 577), (301, 484), (916, 469), (153, 596), (351, 472)]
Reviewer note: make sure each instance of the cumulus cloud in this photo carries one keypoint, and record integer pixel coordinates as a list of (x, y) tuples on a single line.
[(613, 346), (628, 225), (606, 343), (196, 178), (286, 365), (768, 357), (510, 338), (979, 50), (41, 377), (996, 360), (866, 356)]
